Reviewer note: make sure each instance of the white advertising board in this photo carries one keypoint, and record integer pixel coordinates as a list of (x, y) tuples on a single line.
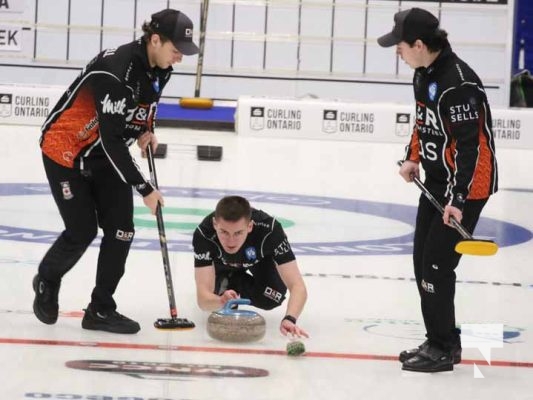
[(320, 119), (27, 105)]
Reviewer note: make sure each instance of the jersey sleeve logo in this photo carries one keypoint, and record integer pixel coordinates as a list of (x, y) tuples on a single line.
[(139, 115), (283, 248), (463, 113), (113, 107), (203, 256)]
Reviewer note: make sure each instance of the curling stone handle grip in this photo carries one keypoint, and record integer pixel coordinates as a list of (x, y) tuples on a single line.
[(227, 307)]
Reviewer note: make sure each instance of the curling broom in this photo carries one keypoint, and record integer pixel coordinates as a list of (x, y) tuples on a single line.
[(470, 245), (172, 323)]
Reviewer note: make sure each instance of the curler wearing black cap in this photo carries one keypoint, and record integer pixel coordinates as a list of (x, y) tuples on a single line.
[(177, 27), (452, 129), (409, 25)]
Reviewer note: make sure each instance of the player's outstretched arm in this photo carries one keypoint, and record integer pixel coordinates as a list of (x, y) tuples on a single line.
[(292, 278)]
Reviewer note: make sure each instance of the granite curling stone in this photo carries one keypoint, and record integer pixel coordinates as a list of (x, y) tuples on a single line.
[(234, 325)]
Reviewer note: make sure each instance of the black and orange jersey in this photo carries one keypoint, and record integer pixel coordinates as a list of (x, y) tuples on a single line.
[(266, 240), (105, 109), (452, 136)]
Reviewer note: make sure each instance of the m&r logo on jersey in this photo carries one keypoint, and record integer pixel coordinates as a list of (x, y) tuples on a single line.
[(250, 253), (432, 90)]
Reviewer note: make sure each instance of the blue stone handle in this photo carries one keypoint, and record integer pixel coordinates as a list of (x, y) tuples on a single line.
[(227, 310)]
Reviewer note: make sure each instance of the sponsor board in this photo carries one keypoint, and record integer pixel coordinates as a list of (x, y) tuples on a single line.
[(27, 105), (504, 233), (167, 371), (309, 118), (324, 119)]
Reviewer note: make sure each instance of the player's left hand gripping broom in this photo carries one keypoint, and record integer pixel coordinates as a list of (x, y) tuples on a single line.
[(173, 322), (469, 244)]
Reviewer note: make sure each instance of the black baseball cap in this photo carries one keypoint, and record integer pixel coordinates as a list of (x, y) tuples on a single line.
[(409, 25), (177, 27)]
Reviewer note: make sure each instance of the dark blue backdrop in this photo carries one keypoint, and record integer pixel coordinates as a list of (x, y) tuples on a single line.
[(523, 37)]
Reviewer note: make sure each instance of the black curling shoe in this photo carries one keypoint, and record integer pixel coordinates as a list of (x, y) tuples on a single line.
[(45, 304), (430, 359), (407, 354), (109, 321)]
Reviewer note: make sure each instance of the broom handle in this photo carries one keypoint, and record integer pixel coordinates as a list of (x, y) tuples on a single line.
[(460, 228), (162, 237), (204, 7)]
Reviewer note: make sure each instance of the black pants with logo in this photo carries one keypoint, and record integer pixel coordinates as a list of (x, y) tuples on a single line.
[(261, 284), (86, 200), (435, 261)]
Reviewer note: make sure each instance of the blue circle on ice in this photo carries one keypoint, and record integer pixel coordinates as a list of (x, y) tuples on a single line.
[(383, 243)]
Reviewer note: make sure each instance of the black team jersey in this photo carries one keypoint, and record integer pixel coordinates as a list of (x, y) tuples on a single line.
[(452, 136), (105, 109), (266, 240)]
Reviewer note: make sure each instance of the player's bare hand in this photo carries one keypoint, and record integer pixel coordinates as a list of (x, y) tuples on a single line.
[(287, 328), (153, 199), (228, 295), (147, 138), (450, 211), (408, 170)]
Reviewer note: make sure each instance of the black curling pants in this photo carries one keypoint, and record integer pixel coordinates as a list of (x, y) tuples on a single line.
[(262, 284), (86, 200), (435, 261)]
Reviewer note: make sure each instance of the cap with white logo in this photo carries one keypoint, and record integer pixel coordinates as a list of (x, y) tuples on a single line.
[(177, 27)]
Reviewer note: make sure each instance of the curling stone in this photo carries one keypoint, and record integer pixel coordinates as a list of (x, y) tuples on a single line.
[(234, 325)]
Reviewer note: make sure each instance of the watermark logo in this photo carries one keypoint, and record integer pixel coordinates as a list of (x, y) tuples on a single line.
[(483, 337)]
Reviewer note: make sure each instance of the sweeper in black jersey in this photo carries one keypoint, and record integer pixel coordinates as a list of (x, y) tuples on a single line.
[(453, 142), (84, 144), (243, 252)]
